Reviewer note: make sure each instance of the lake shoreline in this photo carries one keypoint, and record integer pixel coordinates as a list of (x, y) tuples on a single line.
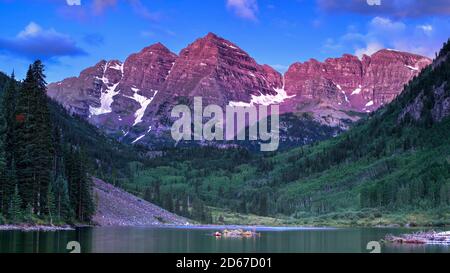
[(50, 228), (28, 227)]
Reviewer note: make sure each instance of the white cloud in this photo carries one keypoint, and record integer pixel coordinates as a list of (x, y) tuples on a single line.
[(391, 8), (427, 29), (369, 49), (380, 32), (246, 9), (35, 42), (32, 29), (386, 24)]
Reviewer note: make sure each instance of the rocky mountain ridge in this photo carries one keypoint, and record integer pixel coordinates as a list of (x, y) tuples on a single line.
[(132, 100)]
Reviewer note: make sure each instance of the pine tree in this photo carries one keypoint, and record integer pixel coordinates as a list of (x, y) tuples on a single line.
[(51, 207), (198, 210), (9, 108), (168, 202), (148, 194), (61, 195), (3, 194), (11, 180), (24, 126), (79, 185), (34, 149), (59, 184), (43, 138), (86, 201), (7, 140), (15, 210), (185, 208), (263, 208)]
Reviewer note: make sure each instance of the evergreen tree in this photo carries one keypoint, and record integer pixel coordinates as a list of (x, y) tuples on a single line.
[(44, 144), (168, 202), (263, 207), (51, 208), (11, 182), (185, 208), (7, 140), (24, 125), (87, 206), (61, 199), (148, 194), (3, 194), (16, 206), (79, 185), (198, 210), (33, 153)]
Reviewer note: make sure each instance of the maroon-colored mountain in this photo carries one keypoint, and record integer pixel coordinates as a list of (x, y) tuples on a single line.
[(216, 70), (134, 98), (348, 83)]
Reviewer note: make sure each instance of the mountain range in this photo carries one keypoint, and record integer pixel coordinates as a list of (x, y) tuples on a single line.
[(132, 100), (392, 167)]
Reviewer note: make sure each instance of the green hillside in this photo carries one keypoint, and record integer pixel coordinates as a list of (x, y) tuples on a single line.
[(390, 168)]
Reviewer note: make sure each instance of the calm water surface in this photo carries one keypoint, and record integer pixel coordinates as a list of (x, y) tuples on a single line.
[(182, 239)]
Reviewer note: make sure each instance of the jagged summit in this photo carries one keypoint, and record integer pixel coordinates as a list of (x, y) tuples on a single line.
[(134, 98)]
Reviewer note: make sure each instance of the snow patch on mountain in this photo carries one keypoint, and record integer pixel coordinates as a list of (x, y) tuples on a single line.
[(343, 92), (345, 96), (170, 70), (143, 101), (356, 91), (106, 99), (412, 67), (138, 138), (117, 66), (107, 95), (230, 46), (268, 99)]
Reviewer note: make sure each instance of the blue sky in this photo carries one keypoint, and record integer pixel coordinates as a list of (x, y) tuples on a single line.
[(70, 35)]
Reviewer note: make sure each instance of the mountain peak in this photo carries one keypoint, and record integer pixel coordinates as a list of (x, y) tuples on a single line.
[(216, 41), (394, 52), (212, 35), (156, 47)]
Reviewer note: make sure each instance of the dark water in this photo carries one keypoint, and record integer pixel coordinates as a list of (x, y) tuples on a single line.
[(201, 240)]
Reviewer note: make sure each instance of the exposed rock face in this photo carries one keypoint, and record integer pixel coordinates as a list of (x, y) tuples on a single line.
[(219, 72), (348, 83), (131, 99), (79, 94), (440, 105), (115, 95)]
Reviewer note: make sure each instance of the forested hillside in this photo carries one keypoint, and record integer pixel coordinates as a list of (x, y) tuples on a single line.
[(47, 157), (394, 163)]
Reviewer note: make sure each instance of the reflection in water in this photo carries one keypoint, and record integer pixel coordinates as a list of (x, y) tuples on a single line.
[(200, 240)]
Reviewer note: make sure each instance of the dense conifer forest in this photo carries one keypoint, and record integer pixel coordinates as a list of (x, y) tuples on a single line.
[(47, 157)]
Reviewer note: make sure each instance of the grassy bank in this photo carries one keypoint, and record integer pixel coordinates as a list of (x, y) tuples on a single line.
[(363, 218)]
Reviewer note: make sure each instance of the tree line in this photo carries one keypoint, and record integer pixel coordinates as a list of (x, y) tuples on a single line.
[(42, 176)]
